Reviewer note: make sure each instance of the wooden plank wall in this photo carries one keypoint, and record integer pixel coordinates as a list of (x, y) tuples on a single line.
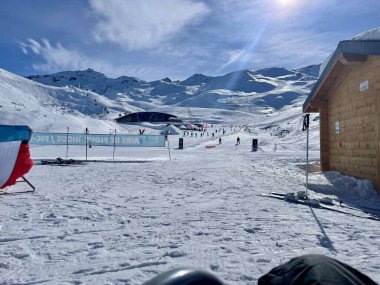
[(324, 135), (377, 87), (355, 150)]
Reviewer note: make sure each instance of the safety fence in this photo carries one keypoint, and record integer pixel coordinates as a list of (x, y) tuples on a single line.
[(118, 140), (89, 140)]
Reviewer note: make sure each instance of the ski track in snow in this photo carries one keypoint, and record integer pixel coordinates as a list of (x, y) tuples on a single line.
[(123, 223)]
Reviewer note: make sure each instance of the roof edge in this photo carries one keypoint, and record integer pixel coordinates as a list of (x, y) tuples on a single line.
[(360, 47)]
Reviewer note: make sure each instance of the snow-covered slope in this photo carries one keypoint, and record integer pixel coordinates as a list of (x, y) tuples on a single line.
[(24, 101), (373, 34), (88, 80), (123, 223)]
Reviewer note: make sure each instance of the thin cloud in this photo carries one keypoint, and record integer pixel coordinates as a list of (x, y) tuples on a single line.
[(153, 39), (31, 44), (143, 24), (290, 50), (57, 58)]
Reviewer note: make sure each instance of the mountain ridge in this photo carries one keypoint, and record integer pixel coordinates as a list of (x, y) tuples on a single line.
[(74, 98), (189, 92)]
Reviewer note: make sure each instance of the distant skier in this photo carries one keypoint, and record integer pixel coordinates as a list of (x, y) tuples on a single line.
[(237, 141), (220, 140)]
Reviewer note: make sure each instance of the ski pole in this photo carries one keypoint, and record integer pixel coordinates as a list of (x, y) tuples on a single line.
[(306, 122)]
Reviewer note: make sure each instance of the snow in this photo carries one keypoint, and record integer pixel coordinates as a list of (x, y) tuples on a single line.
[(170, 130), (373, 34), (23, 101), (325, 63), (109, 223), (126, 220)]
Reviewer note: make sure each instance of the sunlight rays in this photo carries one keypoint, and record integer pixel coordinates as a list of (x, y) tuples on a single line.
[(246, 56)]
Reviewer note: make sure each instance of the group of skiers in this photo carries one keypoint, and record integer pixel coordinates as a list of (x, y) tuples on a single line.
[(204, 133)]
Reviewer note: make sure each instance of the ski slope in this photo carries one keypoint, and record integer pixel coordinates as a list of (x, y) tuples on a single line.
[(123, 221)]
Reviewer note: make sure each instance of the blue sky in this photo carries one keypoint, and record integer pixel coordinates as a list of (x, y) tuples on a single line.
[(153, 39)]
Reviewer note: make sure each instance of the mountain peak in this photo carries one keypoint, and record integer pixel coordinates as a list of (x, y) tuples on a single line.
[(196, 79), (166, 79), (312, 70)]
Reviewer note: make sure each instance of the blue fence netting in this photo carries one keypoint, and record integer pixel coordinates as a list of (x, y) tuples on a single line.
[(119, 140)]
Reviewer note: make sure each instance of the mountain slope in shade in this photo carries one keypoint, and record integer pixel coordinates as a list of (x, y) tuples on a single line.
[(312, 70)]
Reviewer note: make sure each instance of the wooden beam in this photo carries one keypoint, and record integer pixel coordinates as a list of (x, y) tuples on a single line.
[(310, 110), (348, 58), (318, 104)]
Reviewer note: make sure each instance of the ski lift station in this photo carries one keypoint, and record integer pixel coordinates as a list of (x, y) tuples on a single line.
[(151, 117), (347, 96)]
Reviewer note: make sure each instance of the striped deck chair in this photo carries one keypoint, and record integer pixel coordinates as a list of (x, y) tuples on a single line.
[(15, 159)]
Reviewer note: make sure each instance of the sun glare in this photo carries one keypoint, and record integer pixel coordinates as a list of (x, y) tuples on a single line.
[(287, 3)]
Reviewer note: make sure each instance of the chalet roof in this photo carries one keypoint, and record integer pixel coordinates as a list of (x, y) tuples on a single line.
[(347, 52)]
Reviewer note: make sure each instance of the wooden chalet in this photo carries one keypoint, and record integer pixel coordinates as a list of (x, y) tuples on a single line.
[(347, 96)]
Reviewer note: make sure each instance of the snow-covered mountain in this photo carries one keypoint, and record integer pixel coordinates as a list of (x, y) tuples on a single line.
[(23, 101), (89, 98), (270, 88)]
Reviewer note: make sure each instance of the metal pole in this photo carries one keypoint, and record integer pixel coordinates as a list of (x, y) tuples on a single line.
[(307, 160), (114, 145), (169, 149), (86, 142), (30, 184), (67, 142)]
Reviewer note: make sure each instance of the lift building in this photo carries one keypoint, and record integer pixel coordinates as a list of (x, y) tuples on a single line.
[(152, 117), (347, 97)]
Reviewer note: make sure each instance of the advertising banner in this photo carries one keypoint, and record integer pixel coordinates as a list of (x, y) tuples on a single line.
[(118, 140)]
